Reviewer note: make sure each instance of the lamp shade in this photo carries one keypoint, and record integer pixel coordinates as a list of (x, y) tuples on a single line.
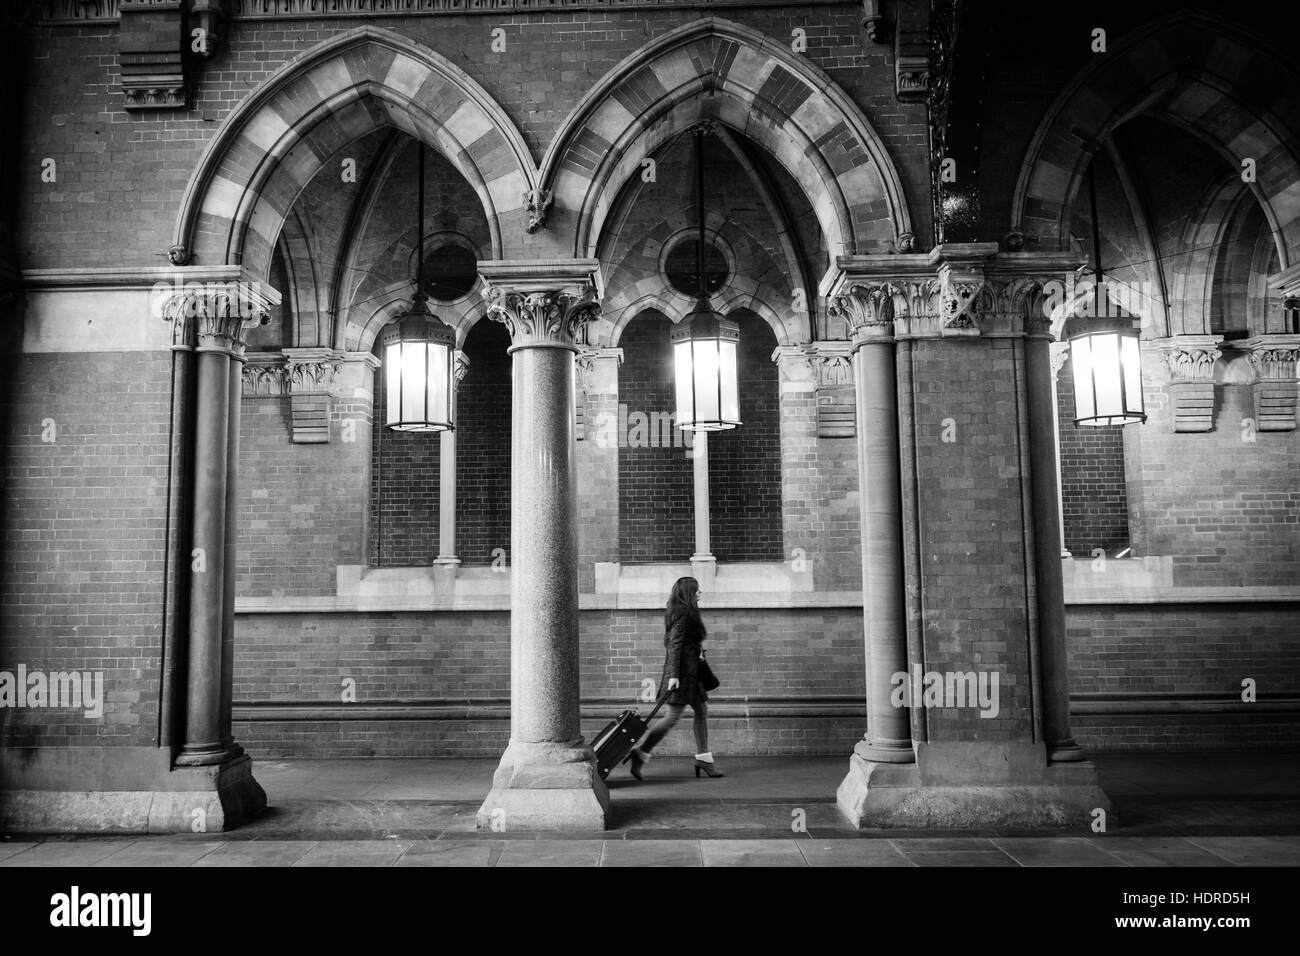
[(1106, 362), (704, 357), (417, 371)]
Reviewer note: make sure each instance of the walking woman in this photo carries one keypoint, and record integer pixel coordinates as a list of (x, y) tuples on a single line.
[(683, 636)]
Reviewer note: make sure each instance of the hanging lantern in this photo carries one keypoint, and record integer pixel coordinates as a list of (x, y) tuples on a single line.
[(418, 350), (1105, 355), (1106, 362), (704, 356), (704, 345)]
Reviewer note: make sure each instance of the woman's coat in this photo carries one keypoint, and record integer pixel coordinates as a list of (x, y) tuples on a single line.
[(682, 660)]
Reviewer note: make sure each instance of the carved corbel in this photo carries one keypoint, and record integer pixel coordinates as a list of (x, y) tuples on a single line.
[(1189, 360), (537, 203), (151, 54), (832, 369), (1274, 359)]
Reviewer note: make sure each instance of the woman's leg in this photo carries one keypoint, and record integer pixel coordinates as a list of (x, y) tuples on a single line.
[(659, 729), (701, 727)]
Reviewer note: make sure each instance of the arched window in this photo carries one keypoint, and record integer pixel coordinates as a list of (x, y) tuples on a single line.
[(656, 473)]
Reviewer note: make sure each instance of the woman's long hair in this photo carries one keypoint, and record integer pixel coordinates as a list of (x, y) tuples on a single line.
[(681, 604)]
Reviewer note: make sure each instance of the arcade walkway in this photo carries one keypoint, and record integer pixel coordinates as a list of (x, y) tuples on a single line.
[(1176, 810)]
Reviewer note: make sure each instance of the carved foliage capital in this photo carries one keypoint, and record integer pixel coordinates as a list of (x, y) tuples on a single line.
[(1189, 359), (214, 316), (555, 317)]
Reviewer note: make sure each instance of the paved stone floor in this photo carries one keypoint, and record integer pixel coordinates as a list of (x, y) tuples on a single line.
[(1220, 810)]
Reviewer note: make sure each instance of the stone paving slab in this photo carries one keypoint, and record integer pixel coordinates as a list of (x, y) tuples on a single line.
[(590, 850)]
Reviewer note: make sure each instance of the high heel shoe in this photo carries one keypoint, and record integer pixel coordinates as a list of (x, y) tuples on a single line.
[(708, 768)]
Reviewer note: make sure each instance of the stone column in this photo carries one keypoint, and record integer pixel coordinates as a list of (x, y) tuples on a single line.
[(1045, 487), (221, 313), (598, 451), (547, 778), (980, 547), (868, 308), (204, 743), (447, 477), (704, 566), (1060, 351)]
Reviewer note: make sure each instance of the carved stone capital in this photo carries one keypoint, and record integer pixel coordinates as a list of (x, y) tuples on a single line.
[(216, 316), (543, 304), (1189, 359), (1273, 357), (311, 369), (588, 367), (867, 309), (832, 370), (831, 363)]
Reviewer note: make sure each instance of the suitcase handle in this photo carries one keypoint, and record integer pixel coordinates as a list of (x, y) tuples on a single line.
[(658, 703)]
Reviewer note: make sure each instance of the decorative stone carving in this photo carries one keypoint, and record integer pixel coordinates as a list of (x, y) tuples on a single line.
[(867, 309), (215, 315), (1189, 360), (832, 368), (589, 375), (206, 15), (307, 377), (1274, 359), (459, 366), (549, 317), (151, 54), (912, 40), (537, 203), (874, 22)]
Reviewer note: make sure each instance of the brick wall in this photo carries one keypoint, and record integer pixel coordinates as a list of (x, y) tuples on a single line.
[(1094, 496), (404, 491), (971, 526), (1202, 650), (1227, 509), (302, 508), (483, 446), (656, 490), (801, 656), (820, 493), (83, 529), (745, 462)]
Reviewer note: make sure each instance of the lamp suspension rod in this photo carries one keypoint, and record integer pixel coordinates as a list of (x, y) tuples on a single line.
[(699, 205), (1096, 226), (419, 240)]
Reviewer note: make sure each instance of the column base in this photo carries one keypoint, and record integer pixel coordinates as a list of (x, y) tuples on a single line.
[(973, 786), (704, 568), (546, 786), (445, 569), (206, 799)]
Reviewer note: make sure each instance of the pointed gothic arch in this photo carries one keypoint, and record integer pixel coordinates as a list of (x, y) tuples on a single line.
[(1227, 97), (306, 114), (717, 69)]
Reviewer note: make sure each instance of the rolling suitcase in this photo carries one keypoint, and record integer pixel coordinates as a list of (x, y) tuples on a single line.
[(615, 742)]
